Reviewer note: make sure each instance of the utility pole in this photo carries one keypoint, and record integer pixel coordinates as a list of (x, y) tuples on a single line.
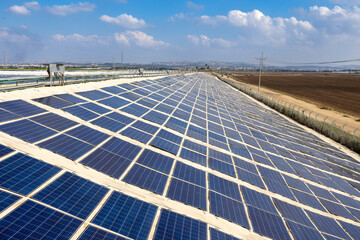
[(261, 62), (113, 63)]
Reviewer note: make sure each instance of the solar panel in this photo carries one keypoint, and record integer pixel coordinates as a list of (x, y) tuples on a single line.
[(94, 94), (352, 230), (87, 134), (176, 125), (54, 121), (190, 174), (70, 98), (121, 148), (279, 188), (72, 194), (301, 232), (225, 187), (296, 183), (27, 130), (165, 145), (108, 123), (94, 233), (220, 156), (249, 177), (308, 199), (222, 167), (133, 217), (21, 108), (114, 102), (114, 90), (187, 193), (217, 235), (95, 108), (271, 174), (145, 127), (23, 174), (245, 165), (107, 162), (195, 146), (267, 224), (136, 134), (7, 116), (120, 118), (175, 226), (337, 209), (155, 117), (258, 200), (7, 199), (53, 101), (135, 109), (146, 178), (327, 225), (81, 112), (34, 221), (347, 200), (193, 156), (228, 209), (4, 150), (156, 161), (66, 146)]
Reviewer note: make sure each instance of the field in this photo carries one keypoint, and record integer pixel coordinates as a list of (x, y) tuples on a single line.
[(338, 91)]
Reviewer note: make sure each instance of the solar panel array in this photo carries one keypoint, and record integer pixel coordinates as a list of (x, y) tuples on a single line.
[(188, 141)]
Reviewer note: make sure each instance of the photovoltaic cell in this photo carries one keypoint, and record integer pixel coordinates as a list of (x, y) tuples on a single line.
[(34, 221), (193, 156), (120, 118), (175, 226), (70, 98), (7, 199), (220, 156), (296, 183), (81, 112), (145, 127), (228, 208), (156, 161), (107, 162), (146, 178), (249, 177), (352, 230), (4, 150), (23, 174), (66, 146), (114, 102), (114, 90), (187, 193), (245, 165), (258, 200), (337, 209), (135, 109), (222, 167), (136, 134), (7, 116), (21, 108), (108, 123), (301, 232), (267, 224), (308, 199), (293, 213), (279, 188), (190, 174), (122, 148), (72, 194), (169, 136), (165, 145), (27, 130), (94, 233), (225, 187), (126, 215), (217, 235), (88, 135), (195, 146), (54, 102), (54, 121), (93, 94), (95, 108)]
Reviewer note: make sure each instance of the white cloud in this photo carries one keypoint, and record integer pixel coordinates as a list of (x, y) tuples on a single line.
[(138, 38), (32, 5), (22, 10), (11, 37), (204, 40), (124, 20), (193, 6), (178, 16), (80, 38), (63, 10)]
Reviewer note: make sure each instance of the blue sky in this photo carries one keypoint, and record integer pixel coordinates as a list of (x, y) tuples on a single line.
[(151, 31)]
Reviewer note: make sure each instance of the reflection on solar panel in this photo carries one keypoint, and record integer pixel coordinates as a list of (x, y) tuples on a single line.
[(127, 216), (236, 167), (32, 221), (175, 226)]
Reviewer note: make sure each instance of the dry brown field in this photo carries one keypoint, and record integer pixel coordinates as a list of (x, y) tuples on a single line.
[(338, 91)]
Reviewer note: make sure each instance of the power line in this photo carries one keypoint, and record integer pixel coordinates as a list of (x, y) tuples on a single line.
[(261, 62), (315, 63)]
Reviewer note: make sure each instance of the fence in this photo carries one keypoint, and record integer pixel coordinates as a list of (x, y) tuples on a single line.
[(343, 133)]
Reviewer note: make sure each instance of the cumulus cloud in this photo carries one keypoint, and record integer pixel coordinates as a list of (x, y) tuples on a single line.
[(22, 10), (138, 38), (125, 21), (193, 6), (63, 10), (32, 5), (178, 16), (81, 38), (204, 40)]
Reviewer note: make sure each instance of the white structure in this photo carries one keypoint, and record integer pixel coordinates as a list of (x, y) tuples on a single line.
[(56, 70)]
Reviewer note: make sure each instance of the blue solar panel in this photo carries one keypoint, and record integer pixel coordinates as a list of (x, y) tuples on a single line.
[(34, 221), (131, 96), (72, 194), (301, 232), (94, 233), (327, 225), (187, 193), (337, 209), (53, 102), (156, 161), (7, 199), (107, 162), (70, 98), (165, 145), (146, 178), (136, 134), (279, 188), (176, 125), (271, 174), (155, 117), (81, 112), (122, 148), (249, 177), (126, 215), (217, 137), (352, 230), (195, 146), (21, 108), (94, 94), (193, 156), (114, 102), (169, 136), (145, 127), (245, 165), (175, 226), (66, 146), (164, 108), (190, 174), (87, 134), (218, 144), (225, 187), (347, 200), (135, 109), (258, 200), (268, 224), (222, 167), (108, 123), (296, 183), (114, 89), (217, 235), (6, 116), (27, 130), (308, 199), (220, 156), (54, 121), (147, 102), (228, 209), (293, 213), (4, 150), (23, 174), (95, 108)]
